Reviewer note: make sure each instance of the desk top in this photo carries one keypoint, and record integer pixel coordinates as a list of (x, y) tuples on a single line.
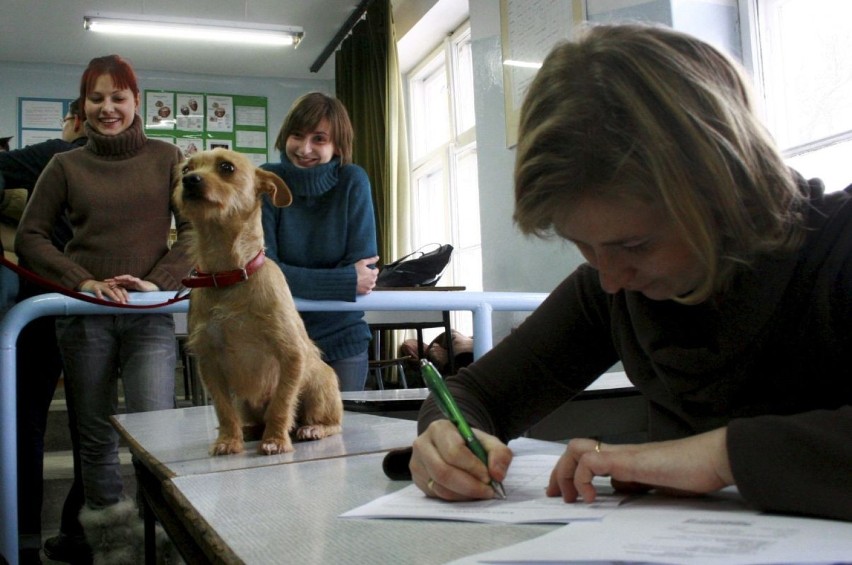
[(260, 515), (176, 442), (608, 384), (424, 288)]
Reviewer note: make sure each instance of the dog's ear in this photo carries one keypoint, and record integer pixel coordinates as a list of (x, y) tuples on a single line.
[(273, 185)]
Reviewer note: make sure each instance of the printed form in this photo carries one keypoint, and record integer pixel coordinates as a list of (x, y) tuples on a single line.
[(526, 502)]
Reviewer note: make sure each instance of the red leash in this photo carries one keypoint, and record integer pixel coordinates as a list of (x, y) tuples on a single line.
[(44, 283)]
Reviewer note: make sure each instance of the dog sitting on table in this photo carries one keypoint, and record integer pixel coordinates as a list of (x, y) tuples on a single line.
[(254, 355)]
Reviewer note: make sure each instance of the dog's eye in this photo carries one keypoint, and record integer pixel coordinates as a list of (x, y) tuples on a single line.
[(226, 167), (184, 170)]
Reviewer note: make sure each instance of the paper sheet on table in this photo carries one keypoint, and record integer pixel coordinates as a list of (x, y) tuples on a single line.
[(525, 501), (652, 534)]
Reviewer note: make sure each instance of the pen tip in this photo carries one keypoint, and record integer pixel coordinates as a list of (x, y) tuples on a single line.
[(498, 490)]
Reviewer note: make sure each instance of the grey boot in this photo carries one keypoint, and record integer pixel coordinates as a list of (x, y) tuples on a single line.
[(115, 533)]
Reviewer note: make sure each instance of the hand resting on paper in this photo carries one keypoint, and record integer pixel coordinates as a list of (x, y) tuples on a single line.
[(442, 466), (694, 465)]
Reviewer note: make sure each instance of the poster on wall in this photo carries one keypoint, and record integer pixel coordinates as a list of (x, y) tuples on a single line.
[(218, 144), (190, 116), (40, 119), (159, 110), (530, 28), (190, 145), (220, 113), (199, 121)]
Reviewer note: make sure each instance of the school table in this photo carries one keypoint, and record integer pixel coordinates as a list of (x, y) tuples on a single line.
[(250, 508), (174, 443)]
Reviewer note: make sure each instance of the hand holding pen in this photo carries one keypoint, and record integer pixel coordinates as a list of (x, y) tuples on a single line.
[(448, 406)]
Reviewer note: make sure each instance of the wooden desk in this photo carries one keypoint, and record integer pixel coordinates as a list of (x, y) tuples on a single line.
[(290, 514)]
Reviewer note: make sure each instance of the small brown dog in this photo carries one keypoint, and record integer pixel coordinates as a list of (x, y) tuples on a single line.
[(254, 354)]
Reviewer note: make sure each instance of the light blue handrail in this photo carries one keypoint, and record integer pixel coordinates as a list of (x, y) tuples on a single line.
[(480, 304)]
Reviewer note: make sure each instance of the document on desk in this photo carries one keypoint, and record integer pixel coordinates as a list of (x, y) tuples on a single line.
[(526, 502), (654, 535)]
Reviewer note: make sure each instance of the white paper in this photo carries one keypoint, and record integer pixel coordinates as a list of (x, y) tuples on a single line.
[(650, 534), (526, 502)]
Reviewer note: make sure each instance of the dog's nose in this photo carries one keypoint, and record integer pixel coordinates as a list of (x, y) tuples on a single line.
[(192, 180)]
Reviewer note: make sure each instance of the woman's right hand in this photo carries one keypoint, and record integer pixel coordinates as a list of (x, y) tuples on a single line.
[(442, 466), (105, 290)]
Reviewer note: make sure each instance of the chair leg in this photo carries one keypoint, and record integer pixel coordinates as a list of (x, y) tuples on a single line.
[(401, 372), (380, 384)]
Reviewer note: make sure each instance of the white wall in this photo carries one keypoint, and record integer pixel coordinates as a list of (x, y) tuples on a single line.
[(512, 261), (62, 81)]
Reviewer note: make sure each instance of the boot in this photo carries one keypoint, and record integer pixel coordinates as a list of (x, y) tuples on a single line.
[(115, 533)]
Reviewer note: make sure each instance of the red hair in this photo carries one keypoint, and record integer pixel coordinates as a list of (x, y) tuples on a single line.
[(119, 70)]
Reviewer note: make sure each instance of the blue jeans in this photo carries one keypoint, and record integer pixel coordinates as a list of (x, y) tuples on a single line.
[(96, 351), (352, 371)]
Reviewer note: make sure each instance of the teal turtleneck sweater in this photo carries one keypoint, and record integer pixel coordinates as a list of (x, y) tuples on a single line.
[(317, 240)]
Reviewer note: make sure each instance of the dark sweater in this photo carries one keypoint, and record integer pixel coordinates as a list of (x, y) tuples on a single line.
[(20, 168), (117, 193), (317, 240), (771, 360)]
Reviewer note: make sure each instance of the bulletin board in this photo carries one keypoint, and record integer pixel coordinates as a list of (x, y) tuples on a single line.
[(40, 119), (530, 28), (197, 121)]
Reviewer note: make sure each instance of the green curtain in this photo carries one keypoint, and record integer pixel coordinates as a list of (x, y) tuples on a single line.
[(361, 82), (369, 83)]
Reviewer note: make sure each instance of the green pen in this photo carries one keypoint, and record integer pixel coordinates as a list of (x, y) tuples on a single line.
[(448, 406)]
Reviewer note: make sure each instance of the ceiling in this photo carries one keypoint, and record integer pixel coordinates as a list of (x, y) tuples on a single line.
[(51, 31)]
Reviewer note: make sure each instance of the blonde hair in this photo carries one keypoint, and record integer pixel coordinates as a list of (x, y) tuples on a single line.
[(647, 113)]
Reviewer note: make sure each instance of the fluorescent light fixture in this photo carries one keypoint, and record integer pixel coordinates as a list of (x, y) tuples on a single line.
[(522, 64), (198, 30)]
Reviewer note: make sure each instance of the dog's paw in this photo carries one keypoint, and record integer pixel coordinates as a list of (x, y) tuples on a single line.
[(316, 431), (225, 446), (274, 445)]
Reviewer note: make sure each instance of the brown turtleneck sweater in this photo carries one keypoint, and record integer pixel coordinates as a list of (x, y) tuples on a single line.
[(117, 191)]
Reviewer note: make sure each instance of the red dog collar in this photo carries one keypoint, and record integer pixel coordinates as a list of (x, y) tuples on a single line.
[(197, 279)]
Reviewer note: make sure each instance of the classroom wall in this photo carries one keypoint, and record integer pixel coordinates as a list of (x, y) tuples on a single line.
[(511, 261), (62, 81)]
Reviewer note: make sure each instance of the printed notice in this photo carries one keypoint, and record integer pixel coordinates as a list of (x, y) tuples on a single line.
[(525, 501)]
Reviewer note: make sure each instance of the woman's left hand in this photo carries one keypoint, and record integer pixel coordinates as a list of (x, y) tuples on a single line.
[(693, 465), (130, 282), (367, 274)]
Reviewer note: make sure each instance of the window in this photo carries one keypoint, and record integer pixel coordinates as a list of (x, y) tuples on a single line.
[(444, 179), (802, 52)]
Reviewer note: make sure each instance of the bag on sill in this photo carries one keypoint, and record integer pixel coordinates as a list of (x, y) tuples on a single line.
[(420, 268)]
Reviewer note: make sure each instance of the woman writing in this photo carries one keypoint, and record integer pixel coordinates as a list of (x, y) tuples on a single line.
[(116, 191), (720, 278), (325, 241)]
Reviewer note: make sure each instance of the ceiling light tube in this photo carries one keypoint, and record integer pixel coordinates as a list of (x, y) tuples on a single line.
[(198, 30)]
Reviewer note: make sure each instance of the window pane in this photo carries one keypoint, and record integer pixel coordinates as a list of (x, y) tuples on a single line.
[(807, 60), (828, 164), (429, 107), (432, 217), (467, 198), (465, 117)]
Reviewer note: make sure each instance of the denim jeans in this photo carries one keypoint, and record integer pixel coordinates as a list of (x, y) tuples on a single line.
[(96, 351), (352, 371)]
